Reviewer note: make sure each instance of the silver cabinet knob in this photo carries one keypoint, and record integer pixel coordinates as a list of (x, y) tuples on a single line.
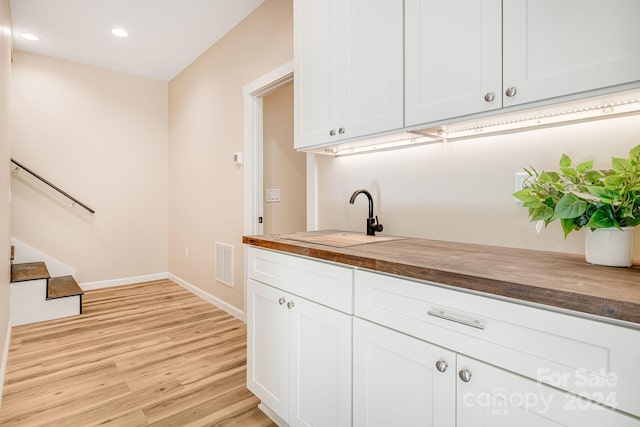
[(282, 300), (489, 96), (442, 365), (290, 305), (332, 132), (465, 375), (341, 131), (511, 92)]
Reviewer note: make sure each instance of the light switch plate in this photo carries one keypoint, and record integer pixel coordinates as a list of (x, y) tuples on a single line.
[(272, 195)]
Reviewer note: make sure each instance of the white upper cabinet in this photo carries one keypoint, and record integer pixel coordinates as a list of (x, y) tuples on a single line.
[(453, 54), (348, 67), (464, 57), (316, 76), (560, 47)]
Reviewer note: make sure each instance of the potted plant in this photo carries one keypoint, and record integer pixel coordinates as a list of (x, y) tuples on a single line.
[(606, 202)]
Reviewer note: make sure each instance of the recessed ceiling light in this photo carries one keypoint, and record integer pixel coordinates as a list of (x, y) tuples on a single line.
[(119, 32), (29, 36)]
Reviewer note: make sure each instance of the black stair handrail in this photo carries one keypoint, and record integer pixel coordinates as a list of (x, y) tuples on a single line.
[(64, 193)]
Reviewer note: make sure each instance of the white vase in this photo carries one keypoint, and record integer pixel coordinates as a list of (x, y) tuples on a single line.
[(609, 246)]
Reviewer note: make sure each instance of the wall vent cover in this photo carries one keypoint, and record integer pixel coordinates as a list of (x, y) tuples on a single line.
[(224, 263)]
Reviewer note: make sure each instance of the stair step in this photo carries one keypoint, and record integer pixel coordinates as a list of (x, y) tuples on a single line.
[(63, 286), (29, 271)]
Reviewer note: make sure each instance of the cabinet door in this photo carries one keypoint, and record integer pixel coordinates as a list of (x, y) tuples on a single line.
[(267, 346), (316, 71), (373, 67), (559, 47), (395, 380), (348, 69), (494, 397), (453, 58), (320, 365)]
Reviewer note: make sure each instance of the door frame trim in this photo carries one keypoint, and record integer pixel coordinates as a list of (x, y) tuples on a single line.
[(253, 94)]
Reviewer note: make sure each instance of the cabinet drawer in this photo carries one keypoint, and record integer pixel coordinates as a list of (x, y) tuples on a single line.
[(324, 283), (576, 354)]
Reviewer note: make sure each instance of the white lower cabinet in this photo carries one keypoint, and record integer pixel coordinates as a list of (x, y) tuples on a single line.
[(298, 357), (330, 345), (399, 380), (507, 364), (268, 347), (396, 380), (492, 397)]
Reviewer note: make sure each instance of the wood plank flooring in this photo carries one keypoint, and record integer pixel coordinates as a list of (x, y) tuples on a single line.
[(145, 354)]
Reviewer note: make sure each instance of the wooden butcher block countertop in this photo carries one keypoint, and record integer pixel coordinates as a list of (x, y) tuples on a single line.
[(559, 280)]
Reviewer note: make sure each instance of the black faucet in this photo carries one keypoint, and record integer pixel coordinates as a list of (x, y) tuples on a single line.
[(372, 222)]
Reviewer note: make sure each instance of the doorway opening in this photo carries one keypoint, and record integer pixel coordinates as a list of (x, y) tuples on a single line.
[(284, 169), (254, 94)]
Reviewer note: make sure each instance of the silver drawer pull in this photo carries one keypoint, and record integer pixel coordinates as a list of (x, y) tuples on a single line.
[(458, 318)]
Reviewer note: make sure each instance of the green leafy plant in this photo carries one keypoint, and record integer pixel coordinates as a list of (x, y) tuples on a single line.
[(580, 196)]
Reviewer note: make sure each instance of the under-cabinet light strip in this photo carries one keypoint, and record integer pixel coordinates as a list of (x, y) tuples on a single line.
[(518, 123), (386, 145), (546, 119)]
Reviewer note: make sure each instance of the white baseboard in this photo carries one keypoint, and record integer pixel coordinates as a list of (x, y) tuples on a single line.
[(3, 361), (223, 305), (123, 281), (272, 415)]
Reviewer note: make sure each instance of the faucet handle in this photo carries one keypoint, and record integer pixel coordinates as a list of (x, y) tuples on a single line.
[(376, 225)]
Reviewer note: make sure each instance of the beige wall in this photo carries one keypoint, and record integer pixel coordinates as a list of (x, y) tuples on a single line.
[(460, 191), (284, 168), (102, 137), (5, 90), (205, 129)]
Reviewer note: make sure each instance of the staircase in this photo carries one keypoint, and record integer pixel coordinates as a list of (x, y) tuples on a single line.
[(36, 296)]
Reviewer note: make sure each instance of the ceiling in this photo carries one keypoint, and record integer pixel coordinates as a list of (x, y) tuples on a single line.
[(165, 36)]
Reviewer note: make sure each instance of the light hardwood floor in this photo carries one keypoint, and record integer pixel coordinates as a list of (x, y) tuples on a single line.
[(145, 354)]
